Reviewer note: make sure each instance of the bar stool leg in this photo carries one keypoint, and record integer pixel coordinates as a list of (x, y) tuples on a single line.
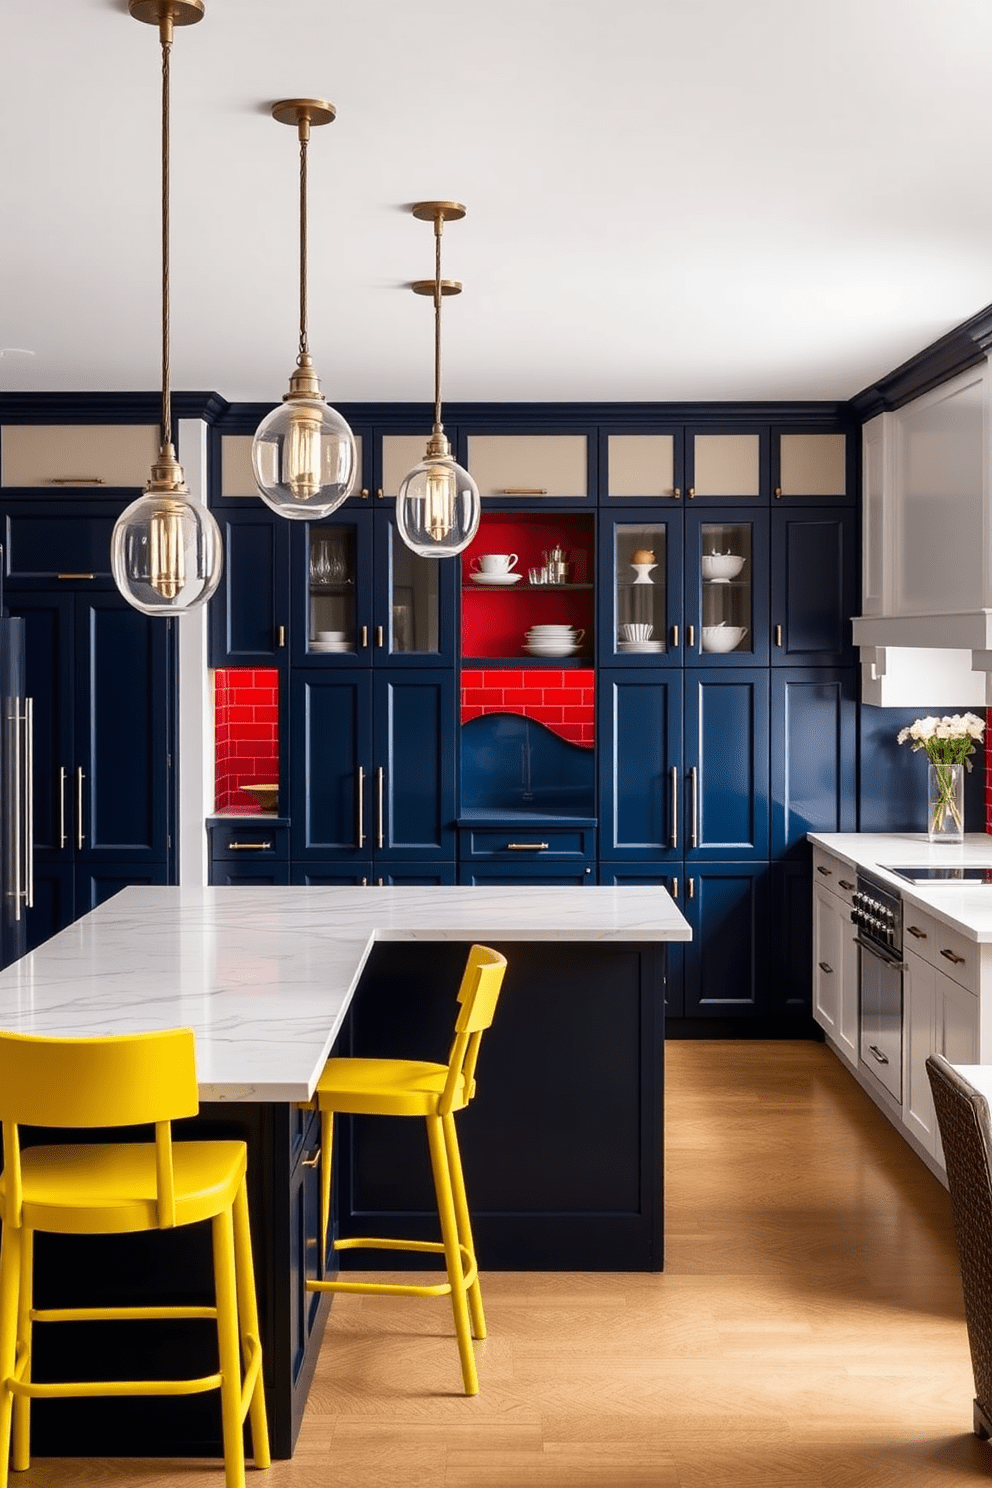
[(248, 1323), (464, 1221), (228, 1349), (21, 1458), (10, 1280), (326, 1152), (452, 1253)]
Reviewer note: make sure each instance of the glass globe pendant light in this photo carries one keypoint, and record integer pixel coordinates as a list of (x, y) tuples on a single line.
[(303, 454), (165, 550), (437, 505)]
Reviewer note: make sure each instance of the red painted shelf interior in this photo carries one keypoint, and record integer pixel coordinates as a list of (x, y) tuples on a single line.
[(495, 619), (246, 733)]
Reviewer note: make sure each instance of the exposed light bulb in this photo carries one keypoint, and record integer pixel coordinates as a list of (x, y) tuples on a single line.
[(304, 455), (166, 552), (438, 505)]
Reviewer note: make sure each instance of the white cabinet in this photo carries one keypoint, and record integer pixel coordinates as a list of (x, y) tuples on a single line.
[(939, 1016), (835, 955)]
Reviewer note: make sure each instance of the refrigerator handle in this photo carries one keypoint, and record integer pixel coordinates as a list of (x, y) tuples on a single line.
[(80, 777), (62, 779), (29, 802), (14, 827)]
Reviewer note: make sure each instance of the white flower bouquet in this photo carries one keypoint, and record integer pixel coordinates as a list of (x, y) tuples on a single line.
[(948, 742)]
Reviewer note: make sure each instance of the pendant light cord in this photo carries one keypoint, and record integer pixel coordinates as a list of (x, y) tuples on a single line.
[(438, 224), (304, 133), (166, 37)]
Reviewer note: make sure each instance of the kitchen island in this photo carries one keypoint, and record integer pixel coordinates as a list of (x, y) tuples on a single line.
[(562, 1148)]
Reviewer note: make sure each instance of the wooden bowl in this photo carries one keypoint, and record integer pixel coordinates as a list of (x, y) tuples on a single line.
[(267, 796)]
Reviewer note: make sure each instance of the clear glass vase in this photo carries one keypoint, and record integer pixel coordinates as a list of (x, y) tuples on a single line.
[(945, 803)]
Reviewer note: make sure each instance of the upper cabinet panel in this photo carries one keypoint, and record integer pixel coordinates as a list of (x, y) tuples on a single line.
[(77, 455), (237, 479), (727, 466), (400, 453), (814, 465), (643, 466), (531, 466)]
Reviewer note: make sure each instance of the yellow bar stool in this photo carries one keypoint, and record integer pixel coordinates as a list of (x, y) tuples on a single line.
[(118, 1188), (406, 1087)]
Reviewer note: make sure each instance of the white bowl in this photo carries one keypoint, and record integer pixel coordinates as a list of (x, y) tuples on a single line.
[(723, 637), (639, 632), (550, 630), (721, 565), (551, 648)]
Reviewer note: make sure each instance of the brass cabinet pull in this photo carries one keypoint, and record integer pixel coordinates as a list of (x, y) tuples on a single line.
[(523, 491), (675, 888), (778, 635), (364, 883), (691, 888), (691, 493), (954, 959), (677, 491), (694, 824), (13, 721), (378, 493), (675, 637), (250, 846), (311, 1162), (62, 836), (69, 576), (824, 967), (76, 480), (380, 786), (378, 883), (280, 636), (827, 872), (916, 932), (778, 493), (845, 884), (364, 493), (690, 635), (365, 637), (361, 806), (80, 777), (673, 840), (29, 802), (378, 636), (526, 847)]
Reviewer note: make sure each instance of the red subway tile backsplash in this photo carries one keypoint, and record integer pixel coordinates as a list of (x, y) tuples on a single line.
[(563, 701), (246, 732)]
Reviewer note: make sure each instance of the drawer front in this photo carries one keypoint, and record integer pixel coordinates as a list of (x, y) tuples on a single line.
[(957, 956), (249, 843), (531, 844), (833, 874)]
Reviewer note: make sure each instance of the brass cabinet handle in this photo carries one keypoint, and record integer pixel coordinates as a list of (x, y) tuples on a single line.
[(778, 493), (80, 777), (364, 883), (522, 491), (827, 872), (526, 847), (675, 637), (29, 802), (778, 635), (845, 884), (694, 826), (68, 576), (378, 493), (250, 846), (916, 932), (311, 1162), (364, 493), (13, 722), (954, 959), (62, 836), (365, 637), (673, 840), (675, 888), (824, 967), (677, 491), (691, 888), (378, 636), (690, 635), (280, 636), (379, 786), (76, 480), (361, 806), (691, 493)]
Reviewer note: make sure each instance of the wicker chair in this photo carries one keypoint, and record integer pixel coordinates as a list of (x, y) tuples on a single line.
[(966, 1133)]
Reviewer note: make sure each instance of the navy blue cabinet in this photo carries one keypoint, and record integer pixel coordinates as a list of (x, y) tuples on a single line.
[(725, 968), (813, 756), (103, 681), (250, 616), (372, 768), (813, 586), (726, 764), (639, 727)]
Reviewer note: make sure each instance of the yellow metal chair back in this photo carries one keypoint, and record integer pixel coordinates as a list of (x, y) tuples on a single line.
[(120, 1080)]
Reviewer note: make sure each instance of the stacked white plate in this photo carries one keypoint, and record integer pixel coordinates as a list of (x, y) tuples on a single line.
[(552, 640), (496, 578), (332, 646), (640, 645)]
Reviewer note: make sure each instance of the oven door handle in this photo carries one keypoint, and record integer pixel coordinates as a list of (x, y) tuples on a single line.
[(873, 950)]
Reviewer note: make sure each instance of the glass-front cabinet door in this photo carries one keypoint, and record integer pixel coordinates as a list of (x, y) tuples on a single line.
[(640, 615), (726, 588), (414, 601)]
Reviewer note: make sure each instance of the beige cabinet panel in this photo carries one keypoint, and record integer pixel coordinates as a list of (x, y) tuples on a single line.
[(529, 464), (83, 455), (400, 454), (237, 479), (813, 465), (641, 465), (726, 465)]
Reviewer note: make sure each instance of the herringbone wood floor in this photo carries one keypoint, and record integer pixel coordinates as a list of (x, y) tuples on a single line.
[(807, 1330)]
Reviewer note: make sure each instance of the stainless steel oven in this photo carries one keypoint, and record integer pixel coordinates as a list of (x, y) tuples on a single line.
[(877, 913)]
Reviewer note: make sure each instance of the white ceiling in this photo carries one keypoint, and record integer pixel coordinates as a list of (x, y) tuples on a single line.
[(667, 199)]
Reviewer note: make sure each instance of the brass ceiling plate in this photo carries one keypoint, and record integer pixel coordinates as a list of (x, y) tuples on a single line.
[(426, 286), (184, 12), (291, 110), (429, 211)]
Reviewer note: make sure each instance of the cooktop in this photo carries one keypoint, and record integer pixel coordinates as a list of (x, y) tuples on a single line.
[(939, 876)]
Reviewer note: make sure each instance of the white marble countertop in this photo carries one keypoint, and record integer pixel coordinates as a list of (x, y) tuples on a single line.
[(264, 975), (967, 907)]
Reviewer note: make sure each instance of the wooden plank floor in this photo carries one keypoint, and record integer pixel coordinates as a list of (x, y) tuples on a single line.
[(808, 1328)]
